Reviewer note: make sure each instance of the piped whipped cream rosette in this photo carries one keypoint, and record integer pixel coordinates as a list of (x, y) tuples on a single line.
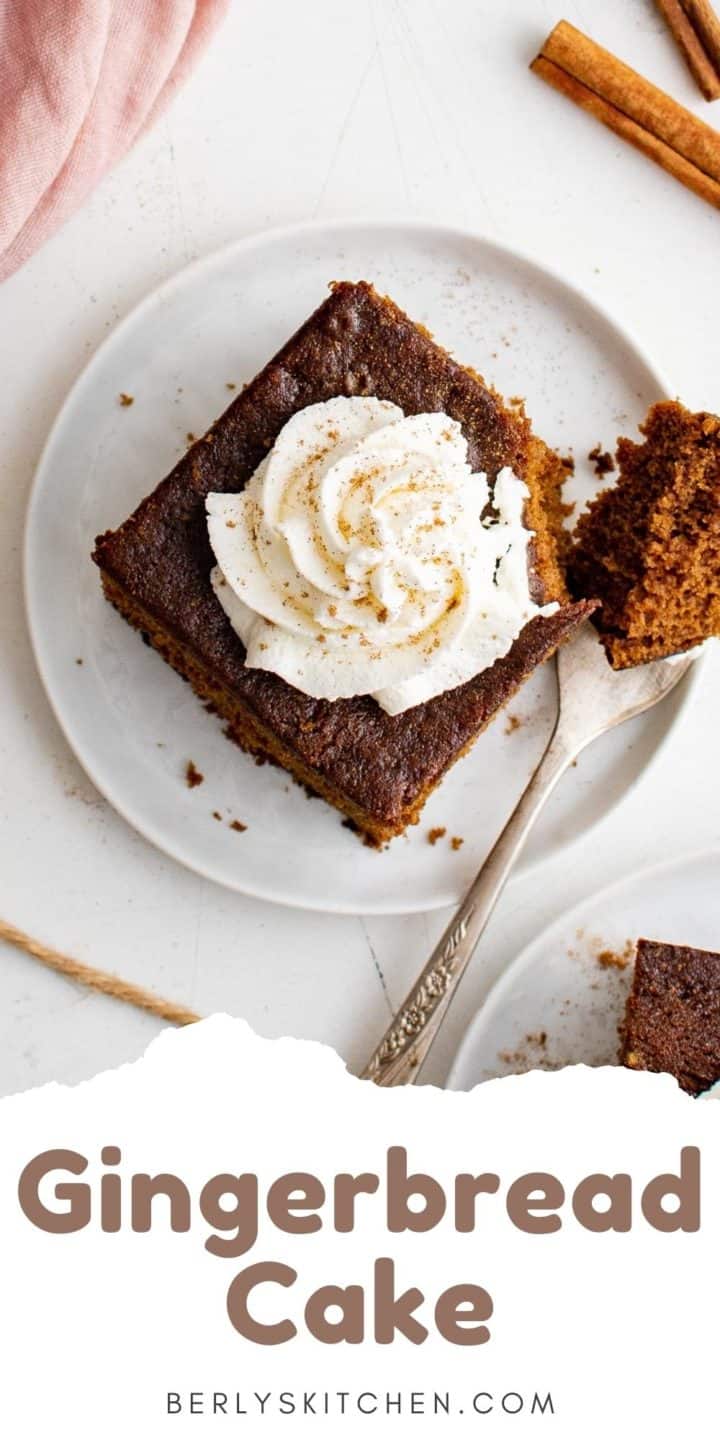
[(362, 557)]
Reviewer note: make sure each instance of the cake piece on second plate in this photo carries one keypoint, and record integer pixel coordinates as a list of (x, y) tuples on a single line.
[(672, 1020)]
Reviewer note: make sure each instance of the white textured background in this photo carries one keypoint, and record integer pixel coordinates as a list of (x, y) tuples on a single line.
[(421, 108)]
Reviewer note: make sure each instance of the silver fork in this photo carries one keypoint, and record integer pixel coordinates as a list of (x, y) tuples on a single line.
[(593, 699)]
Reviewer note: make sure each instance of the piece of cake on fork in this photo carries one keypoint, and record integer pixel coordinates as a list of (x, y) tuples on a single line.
[(649, 546)]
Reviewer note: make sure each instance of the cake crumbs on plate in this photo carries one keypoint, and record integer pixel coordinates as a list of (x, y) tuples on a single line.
[(193, 776), (602, 461), (456, 842), (79, 660), (436, 834), (531, 1053), (125, 400), (513, 723), (216, 815), (616, 959), (190, 437), (238, 826)]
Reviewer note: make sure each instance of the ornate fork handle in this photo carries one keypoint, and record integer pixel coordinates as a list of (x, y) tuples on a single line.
[(405, 1044)]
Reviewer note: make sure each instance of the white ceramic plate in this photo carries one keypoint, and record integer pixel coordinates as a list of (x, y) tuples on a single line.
[(133, 724), (561, 1002)]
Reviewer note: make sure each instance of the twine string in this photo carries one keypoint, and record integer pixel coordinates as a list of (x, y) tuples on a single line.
[(95, 979)]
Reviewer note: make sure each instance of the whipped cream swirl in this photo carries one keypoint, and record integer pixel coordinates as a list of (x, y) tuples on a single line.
[(362, 559)]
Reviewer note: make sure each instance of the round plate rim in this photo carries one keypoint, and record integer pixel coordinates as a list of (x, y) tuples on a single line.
[(253, 240), (527, 956)]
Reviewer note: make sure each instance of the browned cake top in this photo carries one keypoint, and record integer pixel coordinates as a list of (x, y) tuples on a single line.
[(649, 547), (672, 1022), (356, 343)]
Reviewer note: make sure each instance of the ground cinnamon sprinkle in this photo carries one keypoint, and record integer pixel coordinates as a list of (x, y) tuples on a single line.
[(193, 776), (436, 834)]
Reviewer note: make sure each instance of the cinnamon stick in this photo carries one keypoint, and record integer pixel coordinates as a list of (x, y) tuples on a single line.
[(699, 62), (706, 23), (633, 108)]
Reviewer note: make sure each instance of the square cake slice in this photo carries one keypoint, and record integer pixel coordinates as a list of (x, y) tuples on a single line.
[(649, 547), (672, 1021), (378, 769)]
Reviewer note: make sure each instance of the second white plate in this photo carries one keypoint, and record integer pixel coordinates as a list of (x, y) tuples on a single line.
[(134, 724), (562, 1000)]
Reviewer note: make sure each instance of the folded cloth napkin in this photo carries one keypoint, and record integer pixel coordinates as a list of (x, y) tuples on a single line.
[(80, 80)]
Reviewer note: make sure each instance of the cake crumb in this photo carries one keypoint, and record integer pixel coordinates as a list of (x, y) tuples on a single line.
[(456, 842), (530, 1054), (238, 826), (616, 959), (79, 660), (190, 437), (568, 463), (126, 400), (230, 385), (513, 723), (193, 776), (602, 461), (436, 834), (216, 815)]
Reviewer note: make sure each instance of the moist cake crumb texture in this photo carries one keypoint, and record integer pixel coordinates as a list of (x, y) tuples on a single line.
[(672, 1020), (193, 776), (649, 548)]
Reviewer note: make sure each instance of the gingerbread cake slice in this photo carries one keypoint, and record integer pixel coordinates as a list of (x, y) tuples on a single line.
[(672, 1021), (649, 547), (377, 768)]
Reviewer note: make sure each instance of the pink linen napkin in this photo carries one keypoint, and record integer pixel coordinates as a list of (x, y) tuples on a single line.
[(80, 80)]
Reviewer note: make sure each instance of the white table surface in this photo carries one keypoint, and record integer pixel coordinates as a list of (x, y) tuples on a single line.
[(419, 108)]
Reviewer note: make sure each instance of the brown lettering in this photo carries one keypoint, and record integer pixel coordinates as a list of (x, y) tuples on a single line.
[(401, 1187), (347, 1188), (350, 1327), (395, 1312), (290, 1194), (685, 1186), (266, 1273), (242, 1219), (467, 1189), (62, 1222), (530, 1195), (618, 1215), (460, 1314), (144, 1190)]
